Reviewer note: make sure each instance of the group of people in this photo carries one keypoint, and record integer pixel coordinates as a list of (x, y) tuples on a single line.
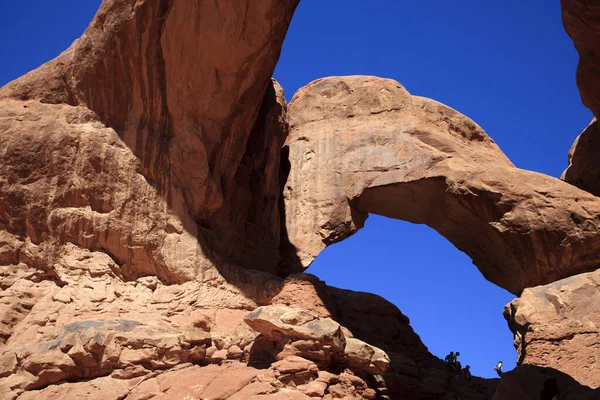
[(452, 361), (549, 392)]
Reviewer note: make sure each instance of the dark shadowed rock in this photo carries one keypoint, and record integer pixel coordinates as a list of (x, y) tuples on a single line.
[(528, 382)]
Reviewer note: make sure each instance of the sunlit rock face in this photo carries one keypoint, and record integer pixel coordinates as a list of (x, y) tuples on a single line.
[(584, 169), (184, 90), (151, 210), (360, 145), (558, 326)]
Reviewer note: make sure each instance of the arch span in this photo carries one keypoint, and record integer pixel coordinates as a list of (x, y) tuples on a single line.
[(360, 145)]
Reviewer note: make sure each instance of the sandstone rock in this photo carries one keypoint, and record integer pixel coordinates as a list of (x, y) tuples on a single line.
[(581, 19), (313, 389), (235, 353), (584, 170), (304, 291), (296, 370), (191, 120), (281, 323), (360, 145), (313, 350), (88, 349), (366, 358), (105, 388), (526, 382), (558, 326)]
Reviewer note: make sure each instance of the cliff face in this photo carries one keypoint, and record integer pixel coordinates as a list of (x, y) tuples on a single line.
[(154, 214), (581, 19), (181, 84)]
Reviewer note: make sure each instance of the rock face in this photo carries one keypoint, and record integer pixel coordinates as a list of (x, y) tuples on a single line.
[(527, 382), (144, 238), (206, 145), (584, 170), (581, 19), (558, 326), (360, 145)]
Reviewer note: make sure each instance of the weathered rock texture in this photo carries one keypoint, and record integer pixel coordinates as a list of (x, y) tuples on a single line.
[(179, 85), (584, 169), (558, 326), (360, 145), (143, 235), (581, 19)]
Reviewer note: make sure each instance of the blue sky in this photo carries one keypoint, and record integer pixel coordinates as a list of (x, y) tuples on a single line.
[(508, 65)]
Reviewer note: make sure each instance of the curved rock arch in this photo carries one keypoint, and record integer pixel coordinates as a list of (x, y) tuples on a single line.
[(360, 145)]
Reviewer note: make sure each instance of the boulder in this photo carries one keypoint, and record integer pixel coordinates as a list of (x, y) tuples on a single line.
[(363, 357), (282, 323)]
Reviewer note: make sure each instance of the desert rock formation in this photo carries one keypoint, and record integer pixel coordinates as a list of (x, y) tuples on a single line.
[(155, 218), (191, 121), (581, 20), (583, 170), (558, 326), (360, 145)]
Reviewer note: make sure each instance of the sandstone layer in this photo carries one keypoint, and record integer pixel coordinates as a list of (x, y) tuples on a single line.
[(558, 326), (360, 145)]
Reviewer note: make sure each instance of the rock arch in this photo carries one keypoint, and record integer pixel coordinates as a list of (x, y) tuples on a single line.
[(360, 145)]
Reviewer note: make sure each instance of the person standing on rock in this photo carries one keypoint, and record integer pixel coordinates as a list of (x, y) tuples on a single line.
[(467, 373), (498, 368), (455, 363), (449, 358)]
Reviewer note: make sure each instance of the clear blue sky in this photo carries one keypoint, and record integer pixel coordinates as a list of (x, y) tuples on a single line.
[(508, 65)]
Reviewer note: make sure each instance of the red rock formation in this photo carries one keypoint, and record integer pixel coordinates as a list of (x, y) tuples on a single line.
[(141, 222), (583, 170), (360, 145), (581, 19), (182, 83), (558, 326)]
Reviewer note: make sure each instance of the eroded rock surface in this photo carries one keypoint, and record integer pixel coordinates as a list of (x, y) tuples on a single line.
[(581, 19), (584, 170), (141, 227), (558, 326), (205, 143), (360, 145)]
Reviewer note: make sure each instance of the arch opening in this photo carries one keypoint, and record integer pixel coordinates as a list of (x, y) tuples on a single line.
[(450, 304)]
